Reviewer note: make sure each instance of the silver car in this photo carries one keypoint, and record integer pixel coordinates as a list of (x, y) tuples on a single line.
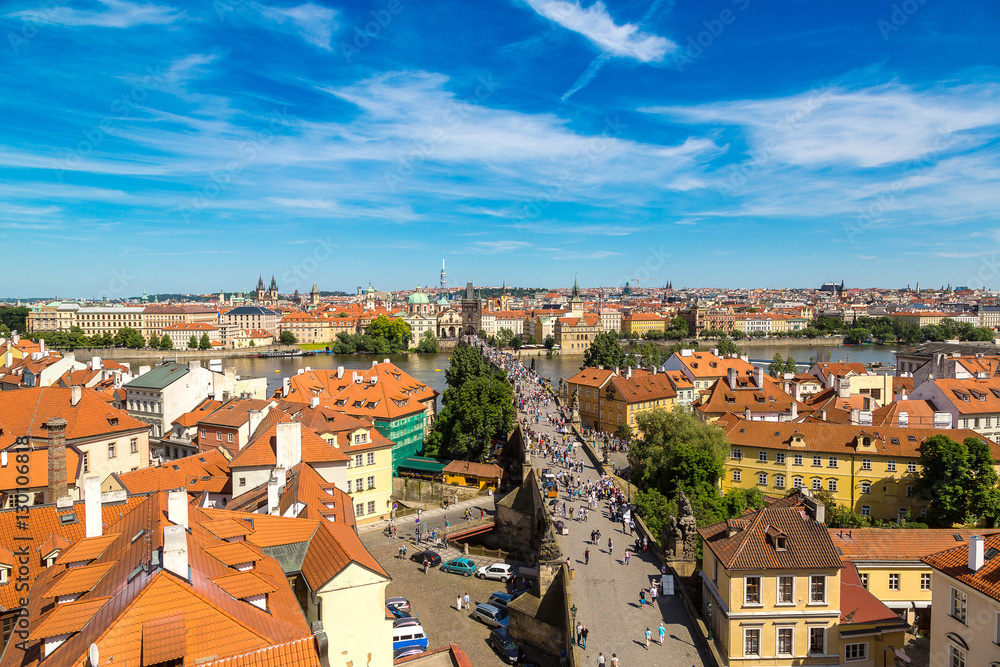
[(498, 571)]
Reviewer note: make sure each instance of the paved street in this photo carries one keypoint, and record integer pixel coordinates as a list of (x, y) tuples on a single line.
[(606, 593)]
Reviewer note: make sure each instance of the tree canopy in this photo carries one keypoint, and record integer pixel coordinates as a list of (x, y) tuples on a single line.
[(287, 338), (394, 330), (604, 350), (479, 411), (959, 480), (428, 343)]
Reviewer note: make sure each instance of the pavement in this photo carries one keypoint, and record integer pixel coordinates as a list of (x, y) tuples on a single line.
[(606, 592)]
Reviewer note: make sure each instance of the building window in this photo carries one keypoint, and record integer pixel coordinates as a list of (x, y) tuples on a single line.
[(925, 583), (866, 464), (359, 460), (866, 510), (779, 481), (752, 590), (134, 445), (359, 509), (910, 491), (818, 461), (797, 460), (866, 487), (243, 481), (831, 485), (786, 589), (797, 482), (817, 640), (959, 605), (833, 461), (359, 485), (218, 436), (203, 433), (911, 467), (890, 466), (762, 478), (371, 482), (956, 656), (864, 578), (737, 454), (348, 486), (785, 642), (762, 456), (780, 457), (371, 458), (86, 462), (371, 507), (856, 651), (817, 484), (817, 588), (751, 644), (111, 450), (893, 582)]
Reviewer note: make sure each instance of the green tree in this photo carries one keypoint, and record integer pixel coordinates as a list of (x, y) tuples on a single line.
[(645, 354), (428, 343), (166, 343), (129, 337), (777, 366), (549, 343), (516, 343), (394, 330), (791, 366), (727, 346), (204, 343), (983, 494), (737, 334), (504, 337), (624, 432), (14, 318), (193, 342), (479, 411), (857, 336), (655, 509), (467, 363), (605, 350), (945, 479), (287, 338)]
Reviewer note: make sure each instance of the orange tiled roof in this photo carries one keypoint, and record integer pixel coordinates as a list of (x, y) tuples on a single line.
[(484, 470), (86, 549), (78, 579), (971, 397), (189, 472), (593, 377), (643, 386), (859, 607), (895, 544), (262, 448), (67, 618), (296, 653), (955, 563), (243, 585), (705, 365), (234, 413), (25, 411)]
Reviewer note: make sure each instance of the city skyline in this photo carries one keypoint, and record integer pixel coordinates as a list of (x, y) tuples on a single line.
[(177, 146)]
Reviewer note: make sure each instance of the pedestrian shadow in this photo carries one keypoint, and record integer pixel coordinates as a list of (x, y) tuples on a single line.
[(634, 604), (683, 641), (641, 643)]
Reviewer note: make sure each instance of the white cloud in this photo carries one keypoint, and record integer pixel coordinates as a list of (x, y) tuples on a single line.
[(493, 247), (596, 24), (119, 14), (871, 127), (314, 23)]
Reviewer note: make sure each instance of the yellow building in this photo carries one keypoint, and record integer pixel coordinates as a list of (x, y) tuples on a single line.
[(965, 630), (609, 398), (774, 592), (467, 473), (638, 324), (575, 334), (872, 470)]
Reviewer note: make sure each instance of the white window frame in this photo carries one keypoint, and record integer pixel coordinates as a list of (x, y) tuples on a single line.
[(866, 510), (959, 596), (866, 487), (112, 450), (859, 655), (890, 466), (762, 456), (371, 482), (359, 509), (760, 593), (777, 641), (780, 457), (826, 587), (797, 460), (818, 461), (817, 484), (747, 631), (371, 458), (809, 647), (737, 454), (831, 485), (762, 478), (371, 507), (866, 464), (779, 481), (925, 583), (911, 466), (863, 576), (834, 463), (737, 476), (798, 482), (777, 592), (893, 580), (957, 657)]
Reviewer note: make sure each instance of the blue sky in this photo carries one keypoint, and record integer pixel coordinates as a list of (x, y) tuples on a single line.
[(175, 146)]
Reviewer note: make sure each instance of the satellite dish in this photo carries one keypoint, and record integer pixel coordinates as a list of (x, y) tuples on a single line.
[(94, 656)]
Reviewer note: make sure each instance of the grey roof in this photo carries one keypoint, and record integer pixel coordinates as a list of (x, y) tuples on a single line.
[(159, 377), (290, 556), (968, 348), (251, 310)]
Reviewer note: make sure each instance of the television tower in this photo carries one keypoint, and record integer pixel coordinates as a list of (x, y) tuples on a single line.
[(444, 276)]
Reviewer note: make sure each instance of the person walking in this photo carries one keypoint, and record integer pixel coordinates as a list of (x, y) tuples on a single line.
[(586, 556), (611, 547), (662, 632), (648, 635), (614, 660), (458, 602), (652, 595), (427, 565), (583, 636), (600, 660), (642, 598), (626, 556), (466, 601), (579, 632)]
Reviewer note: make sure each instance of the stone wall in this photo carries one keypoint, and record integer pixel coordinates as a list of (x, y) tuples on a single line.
[(541, 618), (426, 491)]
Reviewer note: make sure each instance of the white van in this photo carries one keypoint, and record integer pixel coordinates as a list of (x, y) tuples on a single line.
[(409, 635)]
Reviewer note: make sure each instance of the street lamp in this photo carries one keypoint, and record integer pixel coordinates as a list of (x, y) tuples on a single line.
[(572, 630), (709, 621)]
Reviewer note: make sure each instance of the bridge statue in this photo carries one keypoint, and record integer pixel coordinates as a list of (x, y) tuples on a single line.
[(574, 406), (682, 534)]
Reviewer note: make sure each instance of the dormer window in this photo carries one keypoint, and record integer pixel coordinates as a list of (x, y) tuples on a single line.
[(781, 543)]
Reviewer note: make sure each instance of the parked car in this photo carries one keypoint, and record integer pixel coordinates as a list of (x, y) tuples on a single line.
[(499, 571), (406, 652), (398, 602), (432, 556), (459, 566), (504, 644), (491, 615), (500, 600), (405, 621), (398, 612), (409, 636)]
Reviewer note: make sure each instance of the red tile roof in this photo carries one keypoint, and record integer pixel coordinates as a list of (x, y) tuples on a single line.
[(896, 544), (859, 607), (955, 563), (25, 411)]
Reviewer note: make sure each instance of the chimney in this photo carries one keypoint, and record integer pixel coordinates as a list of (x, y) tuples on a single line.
[(15, 337), (75, 393), (758, 376), (374, 363), (976, 556), (308, 369), (903, 420), (177, 507), (855, 416), (255, 418), (340, 372), (300, 371), (193, 365), (95, 363), (215, 365), (8, 358), (616, 370), (57, 458), (288, 443), (92, 505), (829, 381), (272, 496), (41, 345), (795, 411), (286, 384), (844, 388), (279, 474), (175, 555), (731, 377), (797, 391), (225, 396), (386, 360), (746, 414), (822, 415), (714, 351), (314, 402)]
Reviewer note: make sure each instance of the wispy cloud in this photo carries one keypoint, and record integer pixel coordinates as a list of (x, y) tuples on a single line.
[(493, 247), (626, 40), (115, 14), (313, 23)]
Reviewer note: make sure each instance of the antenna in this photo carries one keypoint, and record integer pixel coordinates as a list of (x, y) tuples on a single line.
[(94, 656)]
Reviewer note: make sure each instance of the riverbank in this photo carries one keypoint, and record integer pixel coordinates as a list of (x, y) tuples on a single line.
[(118, 353)]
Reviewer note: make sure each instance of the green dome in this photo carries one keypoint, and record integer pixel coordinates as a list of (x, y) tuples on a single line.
[(418, 297), (443, 301)]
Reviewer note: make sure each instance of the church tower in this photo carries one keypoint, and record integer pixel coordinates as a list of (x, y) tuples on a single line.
[(273, 292), (314, 296), (260, 289), (575, 302), (504, 297)]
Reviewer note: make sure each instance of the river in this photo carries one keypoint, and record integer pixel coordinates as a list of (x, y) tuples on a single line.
[(429, 368)]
